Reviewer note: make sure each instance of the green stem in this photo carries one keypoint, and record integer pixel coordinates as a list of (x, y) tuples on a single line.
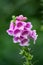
[(26, 54)]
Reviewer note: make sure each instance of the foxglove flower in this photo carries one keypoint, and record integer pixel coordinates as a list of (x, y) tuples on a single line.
[(33, 35), (16, 39), (24, 42), (21, 18), (20, 24), (17, 32), (22, 31), (28, 25), (11, 28)]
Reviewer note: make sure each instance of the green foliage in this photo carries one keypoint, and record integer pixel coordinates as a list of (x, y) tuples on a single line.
[(27, 56), (9, 52)]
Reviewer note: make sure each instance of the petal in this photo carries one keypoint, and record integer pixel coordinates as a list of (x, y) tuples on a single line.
[(21, 37), (24, 42), (33, 35), (35, 38), (16, 39), (21, 18), (24, 18), (28, 25), (25, 33), (20, 24), (17, 32), (10, 32), (12, 26)]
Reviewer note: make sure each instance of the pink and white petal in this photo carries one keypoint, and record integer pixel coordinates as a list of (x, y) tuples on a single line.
[(21, 37), (24, 18), (10, 32), (21, 18), (25, 33), (28, 25), (12, 25), (33, 33), (20, 25), (35, 38), (17, 33), (24, 42), (16, 39), (11, 28)]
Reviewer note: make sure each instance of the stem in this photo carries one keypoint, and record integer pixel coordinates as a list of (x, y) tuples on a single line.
[(25, 52)]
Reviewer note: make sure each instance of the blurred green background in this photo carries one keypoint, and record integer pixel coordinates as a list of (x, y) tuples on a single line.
[(33, 9)]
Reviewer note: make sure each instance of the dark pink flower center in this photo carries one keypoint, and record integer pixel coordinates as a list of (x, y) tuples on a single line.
[(25, 32), (24, 41), (21, 37), (16, 38), (19, 24), (27, 25), (10, 31), (16, 31)]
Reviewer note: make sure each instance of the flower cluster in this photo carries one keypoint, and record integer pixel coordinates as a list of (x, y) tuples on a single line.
[(21, 31)]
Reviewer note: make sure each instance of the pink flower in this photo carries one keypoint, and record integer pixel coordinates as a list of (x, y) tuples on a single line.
[(21, 18), (22, 31), (20, 24), (28, 25), (16, 39), (25, 33), (24, 42), (33, 35), (11, 28), (17, 32)]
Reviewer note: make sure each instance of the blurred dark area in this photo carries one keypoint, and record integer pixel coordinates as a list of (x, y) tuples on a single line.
[(33, 10)]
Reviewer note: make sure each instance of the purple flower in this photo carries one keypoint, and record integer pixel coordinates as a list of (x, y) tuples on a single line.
[(20, 24), (22, 31), (28, 25), (24, 42), (16, 39), (21, 18), (33, 35), (25, 33), (11, 28), (17, 32)]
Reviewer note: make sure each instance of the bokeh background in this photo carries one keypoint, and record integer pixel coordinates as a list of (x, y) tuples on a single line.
[(33, 9)]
